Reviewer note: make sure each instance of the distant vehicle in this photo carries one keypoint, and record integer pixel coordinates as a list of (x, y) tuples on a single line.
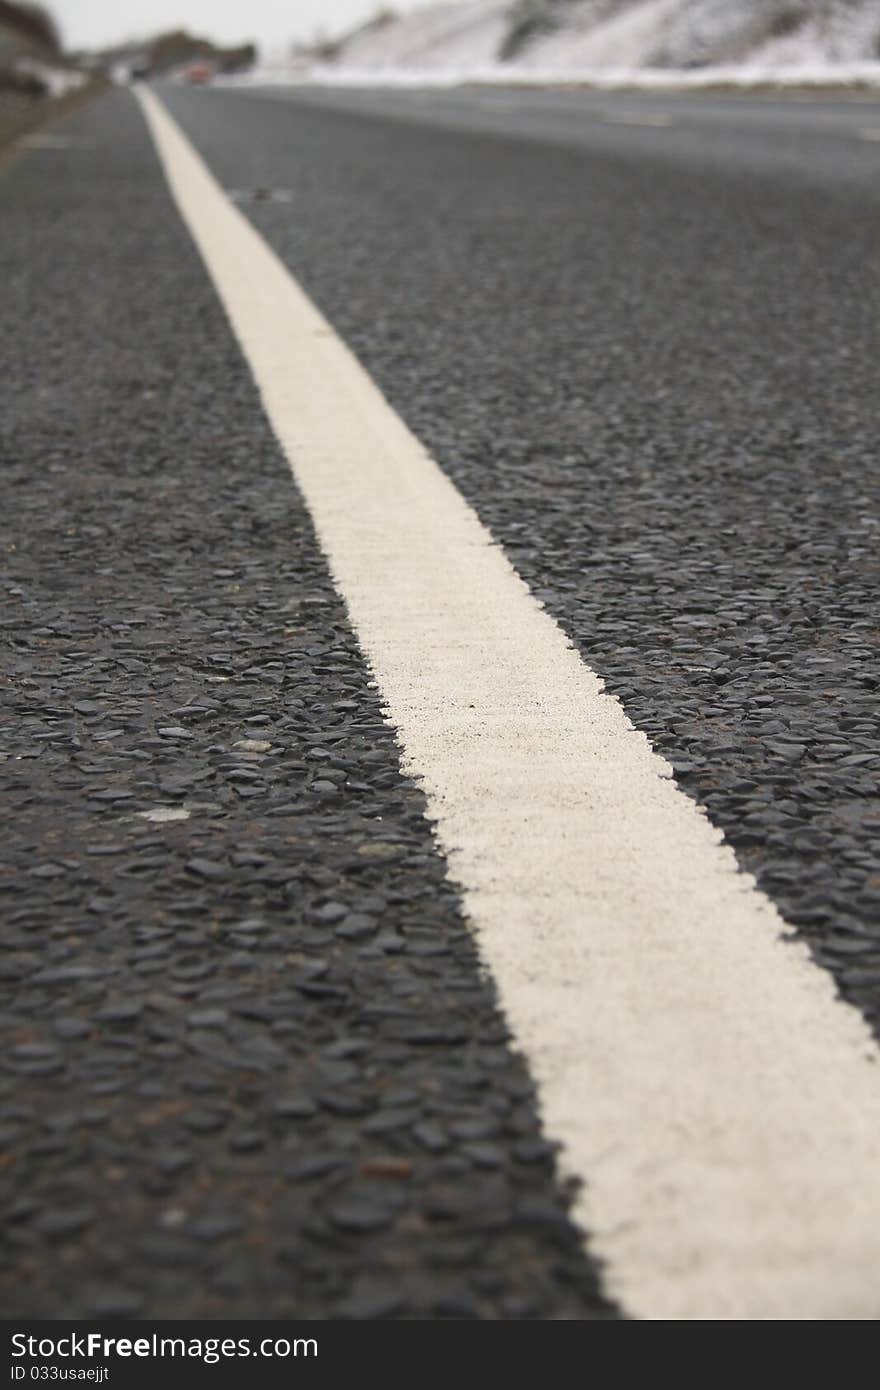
[(198, 73)]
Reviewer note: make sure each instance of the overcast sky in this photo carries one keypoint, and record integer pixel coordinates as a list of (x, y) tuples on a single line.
[(96, 23)]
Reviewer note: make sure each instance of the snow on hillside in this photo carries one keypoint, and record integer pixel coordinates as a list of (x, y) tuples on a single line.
[(612, 42), (696, 33), (469, 33)]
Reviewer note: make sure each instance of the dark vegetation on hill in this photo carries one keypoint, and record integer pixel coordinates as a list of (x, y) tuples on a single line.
[(31, 26), (176, 48), (27, 34)]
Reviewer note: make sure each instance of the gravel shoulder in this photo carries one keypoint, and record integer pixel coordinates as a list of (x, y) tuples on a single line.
[(21, 119)]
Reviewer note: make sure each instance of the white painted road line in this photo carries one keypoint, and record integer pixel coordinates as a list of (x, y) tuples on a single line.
[(657, 122), (870, 133), (42, 140), (722, 1106)]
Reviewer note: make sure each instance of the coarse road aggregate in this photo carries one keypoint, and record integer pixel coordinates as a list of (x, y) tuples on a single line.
[(654, 377), (251, 1062), (251, 1066)]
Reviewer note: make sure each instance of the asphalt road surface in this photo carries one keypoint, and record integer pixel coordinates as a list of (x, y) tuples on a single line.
[(253, 1066)]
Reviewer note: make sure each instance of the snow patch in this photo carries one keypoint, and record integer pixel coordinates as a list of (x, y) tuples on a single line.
[(164, 815), (57, 81), (438, 36), (747, 76), (642, 43)]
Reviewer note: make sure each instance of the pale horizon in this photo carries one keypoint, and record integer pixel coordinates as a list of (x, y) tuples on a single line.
[(269, 23)]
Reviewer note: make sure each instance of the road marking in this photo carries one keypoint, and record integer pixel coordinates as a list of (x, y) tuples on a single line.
[(870, 133), (619, 118), (504, 105), (721, 1104), (41, 141)]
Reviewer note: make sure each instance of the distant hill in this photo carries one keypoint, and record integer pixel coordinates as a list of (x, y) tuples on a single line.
[(579, 35), (165, 53), (26, 29), (442, 35), (33, 68), (172, 50)]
